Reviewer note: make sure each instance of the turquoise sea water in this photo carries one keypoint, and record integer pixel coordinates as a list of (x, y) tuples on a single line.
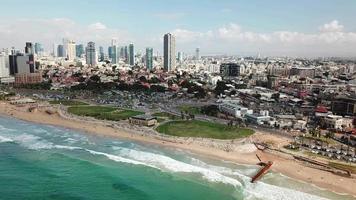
[(47, 162)]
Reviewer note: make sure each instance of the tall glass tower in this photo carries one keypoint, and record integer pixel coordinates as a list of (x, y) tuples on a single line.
[(169, 52), (149, 58), (131, 55)]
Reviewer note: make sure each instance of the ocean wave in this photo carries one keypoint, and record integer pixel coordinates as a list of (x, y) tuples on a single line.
[(118, 158), (259, 190), (5, 139), (166, 163)]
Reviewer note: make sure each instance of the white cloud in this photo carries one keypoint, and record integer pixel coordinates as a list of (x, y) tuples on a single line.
[(330, 40), (49, 31), (333, 26), (97, 26)]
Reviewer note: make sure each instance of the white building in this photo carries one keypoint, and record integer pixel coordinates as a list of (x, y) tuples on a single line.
[(234, 110), (70, 50), (4, 65), (337, 122)]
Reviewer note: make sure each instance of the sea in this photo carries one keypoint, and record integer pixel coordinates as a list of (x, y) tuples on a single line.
[(48, 162)]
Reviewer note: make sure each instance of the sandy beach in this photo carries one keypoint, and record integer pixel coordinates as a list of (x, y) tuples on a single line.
[(241, 151)]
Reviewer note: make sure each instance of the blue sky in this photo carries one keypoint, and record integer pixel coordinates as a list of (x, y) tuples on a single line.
[(145, 21)]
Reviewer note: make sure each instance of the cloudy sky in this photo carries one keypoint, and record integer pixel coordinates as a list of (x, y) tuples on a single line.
[(233, 27)]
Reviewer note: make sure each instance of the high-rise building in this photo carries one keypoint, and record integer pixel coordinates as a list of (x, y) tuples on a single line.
[(180, 57), (79, 50), (21, 64), (197, 54), (60, 51), (169, 52), (91, 56), (131, 55), (29, 48), (114, 42), (114, 55), (149, 58), (70, 50), (4, 65), (101, 54), (38, 48), (126, 55), (230, 69)]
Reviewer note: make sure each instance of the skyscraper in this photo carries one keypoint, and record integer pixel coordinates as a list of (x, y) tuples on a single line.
[(4, 65), (60, 51), (38, 48), (149, 58), (91, 56), (70, 50), (114, 55), (197, 54), (29, 48), (101, 53), (79, 48), (180, 57), (131, 55), (169, 52)]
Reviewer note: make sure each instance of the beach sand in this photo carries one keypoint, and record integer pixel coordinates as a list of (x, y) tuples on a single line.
[(243, 153)]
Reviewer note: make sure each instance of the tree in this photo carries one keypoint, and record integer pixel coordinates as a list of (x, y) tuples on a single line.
[(95, 78), (330, 134)]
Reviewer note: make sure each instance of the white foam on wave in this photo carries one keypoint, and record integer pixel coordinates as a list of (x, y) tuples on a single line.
[(32, 142), (166, 163), (260, 190), (118, 158), (5, 139)]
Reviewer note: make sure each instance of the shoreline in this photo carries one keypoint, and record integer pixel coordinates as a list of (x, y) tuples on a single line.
[(286, 166)]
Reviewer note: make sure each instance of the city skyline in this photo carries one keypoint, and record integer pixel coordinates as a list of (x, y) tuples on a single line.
[(303, 28)]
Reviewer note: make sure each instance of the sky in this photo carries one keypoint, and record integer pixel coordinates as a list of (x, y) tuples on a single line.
[(231, 27)]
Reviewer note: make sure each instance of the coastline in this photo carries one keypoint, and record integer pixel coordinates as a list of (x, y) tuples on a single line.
[(283, 165)]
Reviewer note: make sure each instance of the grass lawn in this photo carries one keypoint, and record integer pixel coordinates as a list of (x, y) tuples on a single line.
[(351, 168), (68, 102), (165, 115), (190, 109), (203, 129), (103, 112)]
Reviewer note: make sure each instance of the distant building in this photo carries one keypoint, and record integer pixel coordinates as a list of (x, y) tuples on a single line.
[(4, 65), (131, 55), (60, 51), (90, 53), (169, 52), (197, 54), (344, 106), (149, 58), (113, 54), (29, 48), (336, 122), (79, 48), (234, 110), (180, 57), (70, 50), (30, 78), (21, 64), (272, 81), (303, 72), (230, 69), (101, 54), (38, 48)]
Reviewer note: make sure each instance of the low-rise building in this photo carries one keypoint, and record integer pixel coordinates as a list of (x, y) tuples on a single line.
[(336, 122), (143, 120), (234, 110)]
